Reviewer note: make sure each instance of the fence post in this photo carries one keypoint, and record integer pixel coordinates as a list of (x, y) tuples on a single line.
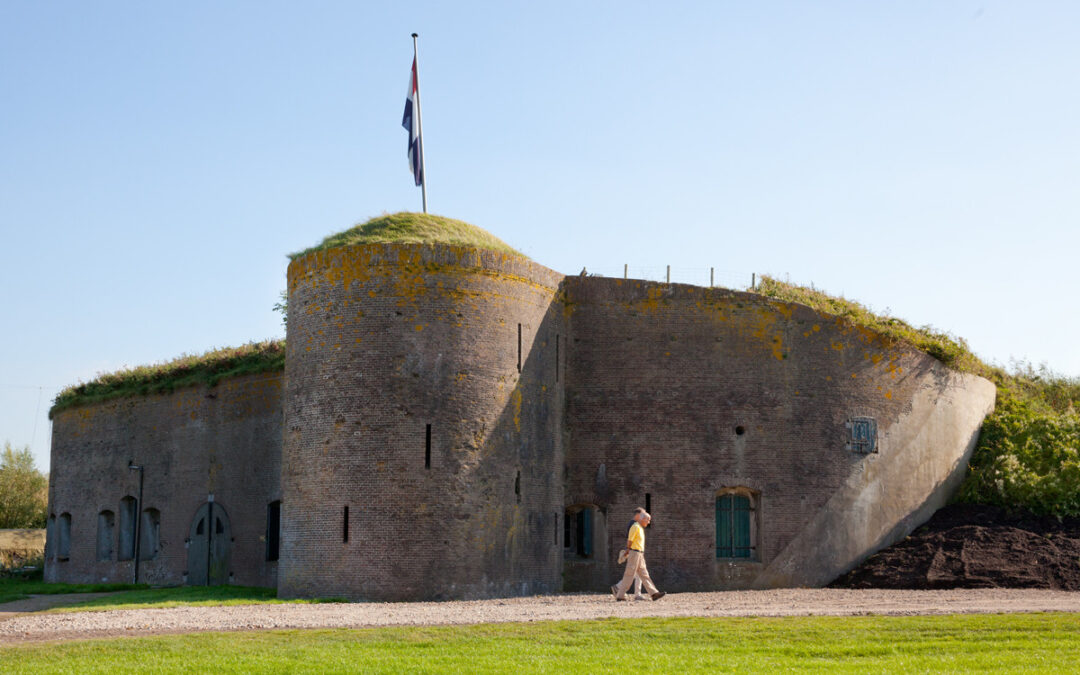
[(624, 268), (753, 281), (711, 284), (669, 274)]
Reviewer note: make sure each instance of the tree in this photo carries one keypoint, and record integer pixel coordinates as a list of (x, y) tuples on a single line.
[(283, 306), (24, 491)]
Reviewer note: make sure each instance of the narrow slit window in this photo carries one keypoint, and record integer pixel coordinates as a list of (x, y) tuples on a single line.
[(345, 526), (427, 447), (648, 502), (273, 530), (519, 347), (556, 358), (517, 486)]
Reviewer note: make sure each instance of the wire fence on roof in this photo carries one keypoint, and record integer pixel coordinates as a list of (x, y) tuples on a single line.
[(697, 276)]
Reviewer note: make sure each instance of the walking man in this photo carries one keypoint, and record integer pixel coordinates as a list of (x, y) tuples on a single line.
[(635, 563)]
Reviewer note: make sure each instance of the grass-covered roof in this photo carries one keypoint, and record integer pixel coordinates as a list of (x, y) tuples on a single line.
[(187, 370), (414, 228)]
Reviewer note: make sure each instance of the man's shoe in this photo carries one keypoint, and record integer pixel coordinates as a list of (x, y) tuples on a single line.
[(618, 599), (657, 595)]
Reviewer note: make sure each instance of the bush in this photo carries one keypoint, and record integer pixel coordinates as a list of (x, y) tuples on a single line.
[(1028, 455)]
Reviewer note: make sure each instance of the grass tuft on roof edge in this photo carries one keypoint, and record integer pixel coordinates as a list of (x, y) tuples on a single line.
[(413, 228), (187, 370)]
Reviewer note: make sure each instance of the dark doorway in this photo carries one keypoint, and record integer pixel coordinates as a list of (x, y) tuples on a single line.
[(209, 546)]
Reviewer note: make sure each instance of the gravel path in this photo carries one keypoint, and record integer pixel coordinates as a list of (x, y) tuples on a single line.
[(781, 602)]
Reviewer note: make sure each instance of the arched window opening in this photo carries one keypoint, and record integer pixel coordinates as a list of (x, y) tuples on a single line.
[(126, 544), (736, 523), (150, 534), (63, 548), (106, 524)]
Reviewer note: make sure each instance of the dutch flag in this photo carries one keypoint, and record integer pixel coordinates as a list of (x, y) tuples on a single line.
[(411, 121)]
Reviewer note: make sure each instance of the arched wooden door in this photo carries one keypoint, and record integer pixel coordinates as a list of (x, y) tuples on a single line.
[(209, 546)]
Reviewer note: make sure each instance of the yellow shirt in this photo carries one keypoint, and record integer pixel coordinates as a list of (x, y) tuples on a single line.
[(636, 538)]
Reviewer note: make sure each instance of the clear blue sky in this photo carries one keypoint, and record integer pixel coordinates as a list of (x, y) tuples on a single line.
[(158, 160)]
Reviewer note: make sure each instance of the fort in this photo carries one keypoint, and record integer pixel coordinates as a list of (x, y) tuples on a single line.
[(456, 421)]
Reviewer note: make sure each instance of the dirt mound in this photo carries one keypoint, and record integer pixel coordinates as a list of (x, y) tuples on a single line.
[(969, 546)]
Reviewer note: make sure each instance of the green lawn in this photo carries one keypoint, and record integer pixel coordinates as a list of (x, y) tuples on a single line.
[(998, 643), (187, 596), (142, 596), (17, 589)]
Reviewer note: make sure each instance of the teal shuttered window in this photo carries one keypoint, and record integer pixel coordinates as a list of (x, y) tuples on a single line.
[(733, 526), (584, 533)]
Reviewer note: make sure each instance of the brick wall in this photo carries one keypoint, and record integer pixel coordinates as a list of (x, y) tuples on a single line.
[(383, 341), (621, 393), (662, 378), (198, 441)]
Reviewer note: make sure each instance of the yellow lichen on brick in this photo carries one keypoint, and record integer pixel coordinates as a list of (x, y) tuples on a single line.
[(778, 347), (517, 409)]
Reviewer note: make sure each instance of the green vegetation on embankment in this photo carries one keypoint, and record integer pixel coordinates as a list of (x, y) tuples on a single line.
[(1028, 455), (14, 588), (1002, 643), (413, 228), (187, 370)]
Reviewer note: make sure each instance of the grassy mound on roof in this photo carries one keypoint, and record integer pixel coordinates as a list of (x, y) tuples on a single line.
[(1028, 454), (187, 370), (414, 228), (950, 350)]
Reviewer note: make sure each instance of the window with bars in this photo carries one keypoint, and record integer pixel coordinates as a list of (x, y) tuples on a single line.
[(863, 435), (734, 534)]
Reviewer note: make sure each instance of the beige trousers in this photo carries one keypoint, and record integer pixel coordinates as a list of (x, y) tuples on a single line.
[(635, 566)]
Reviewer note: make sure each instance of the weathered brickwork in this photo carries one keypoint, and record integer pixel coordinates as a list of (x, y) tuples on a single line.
[(223, 441), (680, 392), (384, 341), (489, 425)]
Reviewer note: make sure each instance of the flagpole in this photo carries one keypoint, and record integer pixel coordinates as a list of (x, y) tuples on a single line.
[(420, 124)]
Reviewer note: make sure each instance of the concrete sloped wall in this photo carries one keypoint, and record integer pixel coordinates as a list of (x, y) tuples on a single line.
[(920, 466)]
